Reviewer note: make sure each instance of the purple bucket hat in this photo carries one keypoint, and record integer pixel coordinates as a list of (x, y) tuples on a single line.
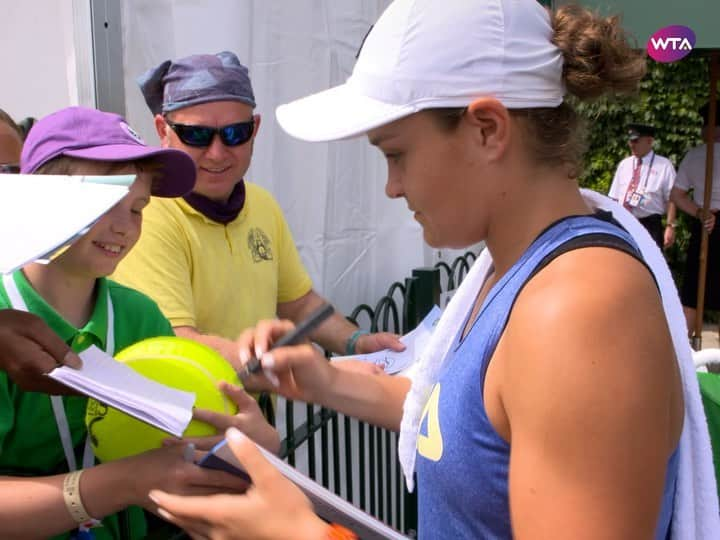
[(200, 78), (100, 136)]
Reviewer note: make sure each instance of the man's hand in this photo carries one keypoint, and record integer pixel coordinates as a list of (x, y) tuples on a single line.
[(29, 350), (370, 343), (668, 237), (707, 217)]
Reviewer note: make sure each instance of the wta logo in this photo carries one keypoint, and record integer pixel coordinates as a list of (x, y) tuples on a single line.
[(671, 43)]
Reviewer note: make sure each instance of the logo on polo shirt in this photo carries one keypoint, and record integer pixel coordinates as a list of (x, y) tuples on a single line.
[(259, 245), (671, 43)]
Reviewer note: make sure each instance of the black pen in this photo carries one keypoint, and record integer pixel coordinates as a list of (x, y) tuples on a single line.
[(299, 333)]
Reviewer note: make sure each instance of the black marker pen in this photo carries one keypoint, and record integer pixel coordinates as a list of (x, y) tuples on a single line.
[(300, 332)]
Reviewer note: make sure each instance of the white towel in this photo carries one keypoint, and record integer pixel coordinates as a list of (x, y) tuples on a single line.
[(695, 511)]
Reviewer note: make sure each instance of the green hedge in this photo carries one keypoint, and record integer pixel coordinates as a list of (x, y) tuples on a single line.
[(670, 95)]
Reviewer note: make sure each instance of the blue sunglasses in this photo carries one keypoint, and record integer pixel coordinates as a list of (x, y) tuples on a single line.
[(202, 136)]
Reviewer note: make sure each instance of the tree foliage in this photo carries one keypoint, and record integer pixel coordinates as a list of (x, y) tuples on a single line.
[(669, 98)]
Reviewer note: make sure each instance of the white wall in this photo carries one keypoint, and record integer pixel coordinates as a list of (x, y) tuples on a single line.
[(44, 56)]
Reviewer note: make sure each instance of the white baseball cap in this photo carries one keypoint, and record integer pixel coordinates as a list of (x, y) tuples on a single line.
[(437, 53)]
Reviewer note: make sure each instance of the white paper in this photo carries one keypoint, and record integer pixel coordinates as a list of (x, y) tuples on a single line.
[(40, 214), (415, 341), (118, 385)]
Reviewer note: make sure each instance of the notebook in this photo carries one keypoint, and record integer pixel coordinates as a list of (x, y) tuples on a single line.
[(115, 384), (327, 505)]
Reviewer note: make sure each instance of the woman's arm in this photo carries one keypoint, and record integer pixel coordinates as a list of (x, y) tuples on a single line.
[(377, 399), (591, 403)]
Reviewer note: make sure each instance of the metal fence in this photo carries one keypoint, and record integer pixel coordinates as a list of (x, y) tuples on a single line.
[(356, 460)]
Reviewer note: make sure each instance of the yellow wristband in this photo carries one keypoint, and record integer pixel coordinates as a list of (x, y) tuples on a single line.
[(73, 502)]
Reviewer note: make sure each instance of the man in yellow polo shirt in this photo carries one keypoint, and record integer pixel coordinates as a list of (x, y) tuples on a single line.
[(222, 258)]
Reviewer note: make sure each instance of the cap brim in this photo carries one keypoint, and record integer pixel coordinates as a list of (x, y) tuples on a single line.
[(337, 113), (177, 168)]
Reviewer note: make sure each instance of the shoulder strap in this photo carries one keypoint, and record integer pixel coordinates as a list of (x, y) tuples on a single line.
[(497, 306), (595, 239)]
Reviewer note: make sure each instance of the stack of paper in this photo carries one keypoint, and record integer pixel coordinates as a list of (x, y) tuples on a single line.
[(327, 505), (115, 384), (40, 214)]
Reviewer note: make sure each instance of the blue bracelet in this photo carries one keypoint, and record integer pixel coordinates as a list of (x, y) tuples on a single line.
[(352, 341)]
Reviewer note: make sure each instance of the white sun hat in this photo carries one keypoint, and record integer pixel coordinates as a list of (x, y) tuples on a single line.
[(437, 53)]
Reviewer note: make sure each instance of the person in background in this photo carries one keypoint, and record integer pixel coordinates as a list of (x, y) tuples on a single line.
[(222, 258), (549, 403), (46, 463), (691, 178), (642, 184), (26, 125), (11, 141)]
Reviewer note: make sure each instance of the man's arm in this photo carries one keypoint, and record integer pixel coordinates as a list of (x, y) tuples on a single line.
[(670, 224), (613, 193), (226, 347), (683, 201), (29, 350), (671, 213), (335, 333), (592, 404)]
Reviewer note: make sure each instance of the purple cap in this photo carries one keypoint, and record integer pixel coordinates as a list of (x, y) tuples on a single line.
[(200, 78), (99, 136)]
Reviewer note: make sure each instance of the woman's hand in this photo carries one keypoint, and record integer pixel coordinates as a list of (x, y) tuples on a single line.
[(295, 372), (249, 420), (358, 366), (272, 508)]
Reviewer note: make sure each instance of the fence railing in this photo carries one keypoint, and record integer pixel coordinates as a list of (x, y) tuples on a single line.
[(356, 460)]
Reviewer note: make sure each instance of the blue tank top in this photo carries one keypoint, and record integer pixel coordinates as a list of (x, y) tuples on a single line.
[(462, 464)]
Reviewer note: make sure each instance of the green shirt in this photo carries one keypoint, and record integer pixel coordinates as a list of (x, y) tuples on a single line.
[(29, 440)]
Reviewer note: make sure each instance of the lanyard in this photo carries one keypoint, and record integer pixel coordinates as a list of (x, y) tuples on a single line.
[(17, 302)]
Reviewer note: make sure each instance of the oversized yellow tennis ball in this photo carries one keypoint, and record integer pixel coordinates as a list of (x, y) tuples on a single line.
[(176, 362)]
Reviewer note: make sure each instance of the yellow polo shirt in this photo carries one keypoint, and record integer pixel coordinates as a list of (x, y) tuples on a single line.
[(217, 278)]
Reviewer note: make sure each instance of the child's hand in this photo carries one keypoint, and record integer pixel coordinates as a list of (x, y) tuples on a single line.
[(249, 420), (172, 469)]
